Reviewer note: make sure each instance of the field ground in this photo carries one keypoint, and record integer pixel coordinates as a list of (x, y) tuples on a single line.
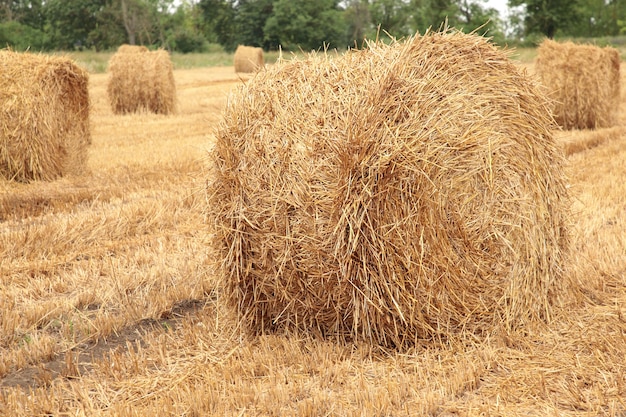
[(108, 305)]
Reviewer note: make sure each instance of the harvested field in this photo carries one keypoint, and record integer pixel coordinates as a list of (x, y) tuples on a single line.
[(108, 305)]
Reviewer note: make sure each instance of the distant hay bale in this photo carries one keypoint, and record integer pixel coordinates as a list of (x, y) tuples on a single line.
[(141, 81), (44, 105), (583, 81), (128, 49), (403, 191), (248, 59)]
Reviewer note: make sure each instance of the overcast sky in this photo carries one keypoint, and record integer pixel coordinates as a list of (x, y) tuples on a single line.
[(500, 5)]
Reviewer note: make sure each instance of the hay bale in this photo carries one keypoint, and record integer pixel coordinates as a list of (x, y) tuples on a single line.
[(394, 193), (132, 49), (248, 59), (141, 81), (44, 119), (583, 81)]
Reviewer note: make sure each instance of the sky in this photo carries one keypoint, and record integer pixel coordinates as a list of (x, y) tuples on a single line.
[(500, 5)]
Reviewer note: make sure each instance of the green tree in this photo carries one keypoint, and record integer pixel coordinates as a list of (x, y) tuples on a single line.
[(474, 17), (434, 13), (358, 21), (391, 16), (21, 37), (27, 12), (183, 29), (598, 18), (465, 15), (138, 18), (306, 24), (548, 16), (22, 24), (109, 31), (219, 18), (250, 19), (69, 22)]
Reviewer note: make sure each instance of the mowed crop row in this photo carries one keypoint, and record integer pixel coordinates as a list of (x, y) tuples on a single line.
[(109, 305)]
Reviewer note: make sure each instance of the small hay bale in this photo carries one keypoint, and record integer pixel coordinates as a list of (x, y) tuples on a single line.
[(404, 191), (141, 81), (583, 81), (44, 119), (248, 59), (132, 49)]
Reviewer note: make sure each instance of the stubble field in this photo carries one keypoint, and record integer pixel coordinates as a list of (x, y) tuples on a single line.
[(108, 303)]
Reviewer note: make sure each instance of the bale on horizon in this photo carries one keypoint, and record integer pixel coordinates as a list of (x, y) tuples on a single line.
[(44, 121), (248, 59), (583, 81), (141, 80), (126, 48), (399, 192)]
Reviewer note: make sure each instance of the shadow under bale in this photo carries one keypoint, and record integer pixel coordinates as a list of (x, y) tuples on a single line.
[(400, 192)]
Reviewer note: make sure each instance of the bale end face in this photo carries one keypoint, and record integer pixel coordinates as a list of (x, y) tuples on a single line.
[(248, 59), (44, 126), (141, 80), (583, 81)]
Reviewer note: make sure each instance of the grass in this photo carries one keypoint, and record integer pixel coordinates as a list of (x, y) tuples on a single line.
[(108, 304)]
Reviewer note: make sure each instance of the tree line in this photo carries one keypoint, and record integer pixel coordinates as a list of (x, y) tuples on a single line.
[(192, 25)]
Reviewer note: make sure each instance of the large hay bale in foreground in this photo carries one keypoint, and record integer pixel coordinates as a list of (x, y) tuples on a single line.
[(44, 117), (248, 59), (394, 193), (583, 81), (141, 80)]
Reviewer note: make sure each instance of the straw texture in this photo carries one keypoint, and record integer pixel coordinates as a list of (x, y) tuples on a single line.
[(141, 80), (44, 117), (125, 48), (583, 81), (404, 191), (248, 59)]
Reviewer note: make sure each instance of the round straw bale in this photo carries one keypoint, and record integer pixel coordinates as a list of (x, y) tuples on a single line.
[(248, 59), (583, 81), (141, 81), (132, 49), (44, 121), (399, 192)]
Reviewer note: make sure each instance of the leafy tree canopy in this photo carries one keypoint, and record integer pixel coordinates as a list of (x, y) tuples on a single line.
[(305, 24), (547, 16)]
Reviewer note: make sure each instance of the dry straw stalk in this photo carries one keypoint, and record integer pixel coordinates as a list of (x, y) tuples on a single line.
[(141, 80), (248, 59), (583, 81), (44, 121), (390, 194)]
